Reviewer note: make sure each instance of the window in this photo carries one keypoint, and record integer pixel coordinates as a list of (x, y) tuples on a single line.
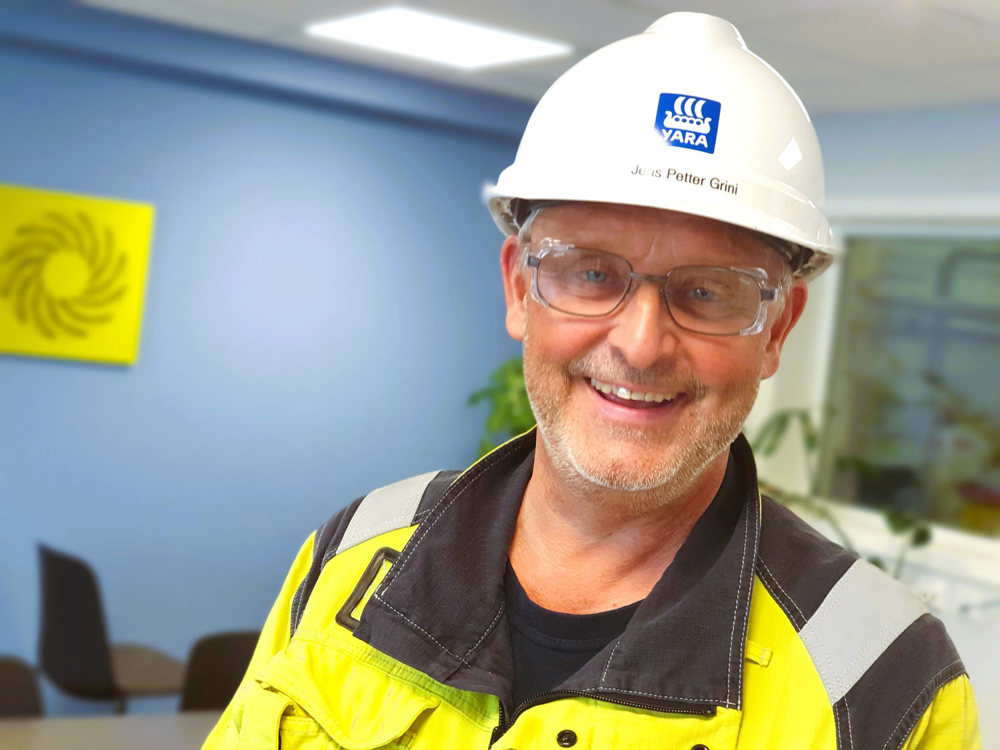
[(913, 406)]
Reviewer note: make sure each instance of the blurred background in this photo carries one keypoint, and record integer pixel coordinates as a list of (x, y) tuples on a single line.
[(323, 295)]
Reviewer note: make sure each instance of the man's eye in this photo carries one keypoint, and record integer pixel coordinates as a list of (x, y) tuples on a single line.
[(595, 276), (702, 294)]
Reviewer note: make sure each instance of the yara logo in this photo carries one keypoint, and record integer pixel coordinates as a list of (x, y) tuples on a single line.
[(688, 121)]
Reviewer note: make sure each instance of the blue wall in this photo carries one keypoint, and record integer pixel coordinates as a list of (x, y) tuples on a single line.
[(323, 295)]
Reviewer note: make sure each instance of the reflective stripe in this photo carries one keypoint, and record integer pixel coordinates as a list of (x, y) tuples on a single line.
[(864, 612), (387, 508)]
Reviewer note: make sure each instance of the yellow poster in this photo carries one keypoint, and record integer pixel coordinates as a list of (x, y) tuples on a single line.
[(72, 274)]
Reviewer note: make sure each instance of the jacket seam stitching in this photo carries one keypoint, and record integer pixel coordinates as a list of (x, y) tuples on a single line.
[(732, 632), (392, 524), (850, 731), (785, 599), (607, 664), (467, 707), (444, 503), (299, 598), (927, 688), (714, 701), (420, 534), (727, 703), (746, 614), (768, 584), (486, 632), (432, 638)]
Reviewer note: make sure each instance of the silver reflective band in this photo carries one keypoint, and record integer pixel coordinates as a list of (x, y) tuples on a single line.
[(861, 616), (385, 509)]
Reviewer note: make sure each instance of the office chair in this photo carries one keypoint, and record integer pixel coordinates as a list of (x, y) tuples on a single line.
[(215, 666), (74, 649), (18, 689)]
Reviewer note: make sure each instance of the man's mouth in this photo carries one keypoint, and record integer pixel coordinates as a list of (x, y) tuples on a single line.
[(622, 395)]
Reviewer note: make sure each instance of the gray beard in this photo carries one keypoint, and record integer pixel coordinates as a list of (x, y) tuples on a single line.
[(646, 486)]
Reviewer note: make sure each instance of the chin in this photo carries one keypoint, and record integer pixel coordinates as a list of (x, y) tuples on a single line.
[(626, 460), (667, 471)]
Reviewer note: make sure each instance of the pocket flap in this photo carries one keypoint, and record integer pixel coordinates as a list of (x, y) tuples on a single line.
[(261, 719), (359, 706)]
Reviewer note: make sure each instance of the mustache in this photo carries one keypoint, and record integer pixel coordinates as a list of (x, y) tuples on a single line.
[(608, 368)]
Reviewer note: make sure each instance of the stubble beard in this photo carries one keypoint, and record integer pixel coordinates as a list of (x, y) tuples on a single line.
[(658, 471)]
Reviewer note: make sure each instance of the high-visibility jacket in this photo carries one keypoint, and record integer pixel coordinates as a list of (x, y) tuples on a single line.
[(390, 632)]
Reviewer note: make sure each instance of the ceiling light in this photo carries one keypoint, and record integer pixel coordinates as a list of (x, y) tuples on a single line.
[(439, 39)]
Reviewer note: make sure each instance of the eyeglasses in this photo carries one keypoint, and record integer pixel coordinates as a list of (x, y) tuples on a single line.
[(703, 299)]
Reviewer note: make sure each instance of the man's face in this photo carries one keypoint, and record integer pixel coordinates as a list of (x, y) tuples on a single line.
[(686, 394)]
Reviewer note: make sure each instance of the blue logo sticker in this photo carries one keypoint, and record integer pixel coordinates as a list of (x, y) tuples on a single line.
[(688, 121)]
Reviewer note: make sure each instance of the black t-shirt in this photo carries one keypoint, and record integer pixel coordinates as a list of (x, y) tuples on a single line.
[(547, 647)]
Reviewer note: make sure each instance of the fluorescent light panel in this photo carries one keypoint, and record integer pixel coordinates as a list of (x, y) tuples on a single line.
[(439, 39)]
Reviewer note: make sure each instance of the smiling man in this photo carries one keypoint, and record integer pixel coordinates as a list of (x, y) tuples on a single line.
[(613, 579), (639, 382)]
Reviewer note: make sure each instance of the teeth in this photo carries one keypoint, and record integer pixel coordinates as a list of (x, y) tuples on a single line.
[(622, 392)]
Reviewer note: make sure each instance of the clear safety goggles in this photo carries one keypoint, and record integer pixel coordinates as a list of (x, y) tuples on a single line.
[(713, 300)]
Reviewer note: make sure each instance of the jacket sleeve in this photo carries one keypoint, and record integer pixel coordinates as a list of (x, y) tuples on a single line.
[(273, 638), (951, 721)]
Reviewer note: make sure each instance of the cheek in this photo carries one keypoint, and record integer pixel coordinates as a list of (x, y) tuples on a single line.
[(724, 364), (558, 339)]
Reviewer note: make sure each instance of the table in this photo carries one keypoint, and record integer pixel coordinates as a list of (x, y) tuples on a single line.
[(180, 731)]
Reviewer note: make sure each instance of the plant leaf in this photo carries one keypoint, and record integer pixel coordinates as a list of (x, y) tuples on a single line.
[(921, 535)]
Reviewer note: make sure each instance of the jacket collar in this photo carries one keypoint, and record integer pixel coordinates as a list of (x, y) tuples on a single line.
[(441, 607)]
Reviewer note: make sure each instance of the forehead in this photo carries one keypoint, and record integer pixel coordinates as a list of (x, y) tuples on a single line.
[(639, 232)]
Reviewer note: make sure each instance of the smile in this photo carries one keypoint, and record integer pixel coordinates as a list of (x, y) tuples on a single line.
[(624, 393)]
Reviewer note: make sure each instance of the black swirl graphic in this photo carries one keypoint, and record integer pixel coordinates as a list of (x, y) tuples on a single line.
[(63, 275)]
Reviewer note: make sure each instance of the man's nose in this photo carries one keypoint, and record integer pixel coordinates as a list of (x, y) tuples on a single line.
[(643, 331)]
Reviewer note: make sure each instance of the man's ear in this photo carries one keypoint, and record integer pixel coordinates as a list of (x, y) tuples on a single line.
[(795, 303), (515, 287)]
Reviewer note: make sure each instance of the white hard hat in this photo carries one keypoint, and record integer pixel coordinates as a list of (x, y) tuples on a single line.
[(681, 117)]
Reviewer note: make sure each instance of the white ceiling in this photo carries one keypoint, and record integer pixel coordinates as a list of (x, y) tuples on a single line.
[(839, 55)]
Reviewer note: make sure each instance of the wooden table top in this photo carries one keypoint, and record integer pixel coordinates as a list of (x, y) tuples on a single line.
[(180, 731)]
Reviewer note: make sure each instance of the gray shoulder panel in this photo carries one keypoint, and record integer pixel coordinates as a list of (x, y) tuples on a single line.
[(797, 564), (381, 510), (387, 508), (882, 708), (858, 620)]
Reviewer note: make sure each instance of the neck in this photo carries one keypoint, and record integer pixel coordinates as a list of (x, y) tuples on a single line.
[(580, 548)]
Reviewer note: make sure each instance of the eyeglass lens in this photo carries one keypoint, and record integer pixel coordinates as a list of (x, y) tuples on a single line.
[(593, 283)]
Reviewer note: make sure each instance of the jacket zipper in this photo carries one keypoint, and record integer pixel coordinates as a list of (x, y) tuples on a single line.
[(665, 706)]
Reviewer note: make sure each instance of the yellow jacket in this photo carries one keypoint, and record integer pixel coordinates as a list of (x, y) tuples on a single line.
[(389, 632)]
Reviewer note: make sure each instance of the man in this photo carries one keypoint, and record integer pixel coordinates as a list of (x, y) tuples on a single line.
[(615, 580)]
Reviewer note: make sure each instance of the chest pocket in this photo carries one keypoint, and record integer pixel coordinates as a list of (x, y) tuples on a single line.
[(271, 721)]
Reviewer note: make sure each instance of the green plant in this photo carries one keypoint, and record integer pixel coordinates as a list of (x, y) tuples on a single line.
[(770, 437), (510, 413)]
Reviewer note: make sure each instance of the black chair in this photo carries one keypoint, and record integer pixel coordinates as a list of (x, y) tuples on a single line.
[(215, 667), (75, 652), (18, 689)]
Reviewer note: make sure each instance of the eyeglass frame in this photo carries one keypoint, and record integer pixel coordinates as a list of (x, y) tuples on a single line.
[(759, 276)]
